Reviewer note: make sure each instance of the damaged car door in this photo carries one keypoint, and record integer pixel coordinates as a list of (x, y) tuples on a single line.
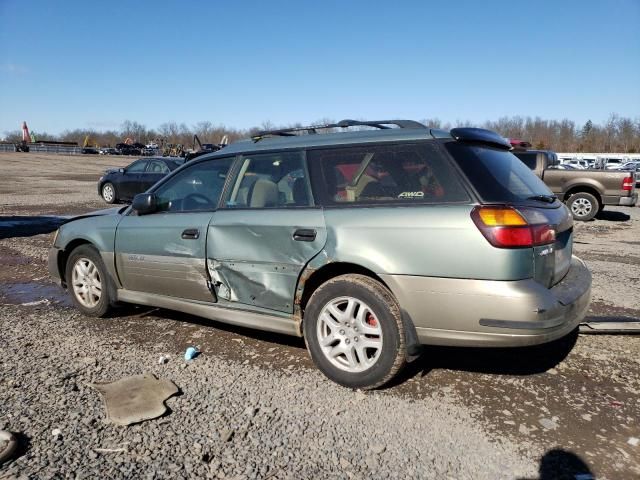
[(164, 252), (265, 232)]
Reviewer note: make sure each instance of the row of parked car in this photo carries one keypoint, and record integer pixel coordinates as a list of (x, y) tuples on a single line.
[(609, 164), (133, 149)]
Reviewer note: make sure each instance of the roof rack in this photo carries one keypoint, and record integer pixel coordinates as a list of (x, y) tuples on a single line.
[(313, 129)]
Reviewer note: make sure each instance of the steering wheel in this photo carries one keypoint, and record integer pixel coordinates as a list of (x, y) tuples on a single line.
[(198, 199)]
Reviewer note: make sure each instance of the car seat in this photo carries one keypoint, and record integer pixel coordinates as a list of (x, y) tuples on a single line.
[(263, 193)]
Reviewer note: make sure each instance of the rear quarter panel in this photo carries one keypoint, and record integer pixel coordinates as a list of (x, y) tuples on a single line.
[(435, 241)]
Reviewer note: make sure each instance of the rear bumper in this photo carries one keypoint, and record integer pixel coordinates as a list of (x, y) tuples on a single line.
[(629, 201), (484, 313)]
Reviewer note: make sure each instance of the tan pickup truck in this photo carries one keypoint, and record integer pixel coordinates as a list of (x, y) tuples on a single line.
[(585, 192)]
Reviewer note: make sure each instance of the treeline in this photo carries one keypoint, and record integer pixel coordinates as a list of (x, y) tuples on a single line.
[(169, 132), (617, 134)]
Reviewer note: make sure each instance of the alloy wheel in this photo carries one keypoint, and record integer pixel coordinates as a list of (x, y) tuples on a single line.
[(581, 207), (349, 334), (87, 285), (108, 193)]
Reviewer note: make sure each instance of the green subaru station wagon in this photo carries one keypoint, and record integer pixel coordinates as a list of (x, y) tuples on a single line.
[(368, 242)]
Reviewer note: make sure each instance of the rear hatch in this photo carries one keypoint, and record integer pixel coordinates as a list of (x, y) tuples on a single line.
[(499, 178)]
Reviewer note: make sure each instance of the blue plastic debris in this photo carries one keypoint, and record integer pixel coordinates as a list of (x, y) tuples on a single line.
[(191, 353)]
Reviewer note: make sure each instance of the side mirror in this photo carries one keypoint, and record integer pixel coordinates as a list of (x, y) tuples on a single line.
[(144, 203), (121, 170)]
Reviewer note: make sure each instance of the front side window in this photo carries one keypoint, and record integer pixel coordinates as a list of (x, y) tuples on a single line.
[(137, 167), (270, 180), (402, 174), (196, 188)]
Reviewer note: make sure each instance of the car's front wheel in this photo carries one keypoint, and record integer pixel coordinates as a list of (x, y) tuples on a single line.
[(109, 193), (354, 332), (88, 282)]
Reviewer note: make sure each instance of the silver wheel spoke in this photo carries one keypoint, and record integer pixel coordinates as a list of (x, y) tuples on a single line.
[(330, 322), (351, 306), (363, 325), (337, 314), (328, 340), (362, 354), (336, 351), (351, 358)]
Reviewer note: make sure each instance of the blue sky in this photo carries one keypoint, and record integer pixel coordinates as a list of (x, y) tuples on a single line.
[(73, 64)]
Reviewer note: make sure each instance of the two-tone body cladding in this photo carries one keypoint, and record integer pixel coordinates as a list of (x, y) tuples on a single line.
[(367, 243)]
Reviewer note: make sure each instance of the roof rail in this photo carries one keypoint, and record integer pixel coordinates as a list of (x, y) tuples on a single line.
[(313, 129)]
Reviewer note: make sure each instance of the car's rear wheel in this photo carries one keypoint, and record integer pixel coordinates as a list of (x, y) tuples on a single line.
[(354, 332), (88, 282), (109, 193), (583, 206)]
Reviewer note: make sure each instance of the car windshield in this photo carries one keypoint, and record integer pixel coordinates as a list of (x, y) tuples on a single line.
[(497, 175)]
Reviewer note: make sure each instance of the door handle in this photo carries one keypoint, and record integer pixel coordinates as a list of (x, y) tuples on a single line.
[(191, 234), (304, 235)]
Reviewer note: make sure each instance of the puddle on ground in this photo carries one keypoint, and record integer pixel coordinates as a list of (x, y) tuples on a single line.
[(33, 293)]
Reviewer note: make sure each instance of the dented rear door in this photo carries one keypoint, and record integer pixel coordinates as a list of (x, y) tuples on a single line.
[(255, 257)]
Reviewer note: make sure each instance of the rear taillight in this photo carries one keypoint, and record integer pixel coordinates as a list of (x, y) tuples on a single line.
[(505, 227), (627, 183)]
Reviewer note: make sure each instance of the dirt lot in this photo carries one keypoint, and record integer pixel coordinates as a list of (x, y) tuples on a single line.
[(544, 412)]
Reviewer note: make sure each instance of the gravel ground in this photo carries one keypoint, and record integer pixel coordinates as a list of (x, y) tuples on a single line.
[(253, 405), (233, 419)]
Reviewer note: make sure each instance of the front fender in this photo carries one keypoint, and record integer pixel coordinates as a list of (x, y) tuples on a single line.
[(99, 231)]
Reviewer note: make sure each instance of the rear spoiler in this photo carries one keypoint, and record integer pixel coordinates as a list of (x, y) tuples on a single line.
[(480, 135)]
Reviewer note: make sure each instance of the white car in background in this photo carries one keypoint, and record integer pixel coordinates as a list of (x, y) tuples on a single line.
[(575, 163)]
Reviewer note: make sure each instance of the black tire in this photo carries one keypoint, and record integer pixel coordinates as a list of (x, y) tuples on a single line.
[(107, 297), (114, 197), (583, 206), (392, 356)]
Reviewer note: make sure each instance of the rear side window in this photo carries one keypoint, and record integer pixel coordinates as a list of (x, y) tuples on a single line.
[(270, 180), (402, 174), (157, 166), (496, 174)]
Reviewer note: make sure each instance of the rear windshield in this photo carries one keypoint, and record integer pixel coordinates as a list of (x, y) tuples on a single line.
[(496, 174)]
